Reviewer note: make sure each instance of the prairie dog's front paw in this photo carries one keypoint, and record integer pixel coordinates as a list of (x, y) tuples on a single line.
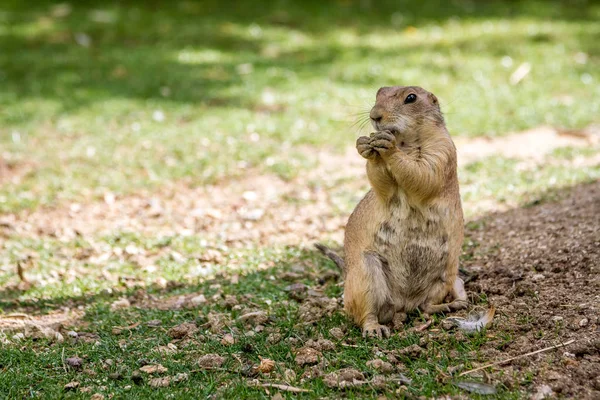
[(364, 148), (383, 142)]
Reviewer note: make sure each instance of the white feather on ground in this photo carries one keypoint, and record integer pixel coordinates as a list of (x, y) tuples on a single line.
[(474, 323)]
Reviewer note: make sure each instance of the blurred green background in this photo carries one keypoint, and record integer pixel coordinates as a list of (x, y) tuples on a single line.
[(118, 95)]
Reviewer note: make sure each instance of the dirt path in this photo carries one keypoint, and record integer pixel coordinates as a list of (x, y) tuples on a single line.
[(263, 209), (540, 267)]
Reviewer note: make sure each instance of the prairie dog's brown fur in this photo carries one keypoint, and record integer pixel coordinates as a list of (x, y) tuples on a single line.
[(404, 238)]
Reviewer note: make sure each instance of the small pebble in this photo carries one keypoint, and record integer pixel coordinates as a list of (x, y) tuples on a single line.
[(336, 333)]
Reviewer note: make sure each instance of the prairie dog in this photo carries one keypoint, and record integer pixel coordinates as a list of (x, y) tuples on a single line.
[(404, 238)]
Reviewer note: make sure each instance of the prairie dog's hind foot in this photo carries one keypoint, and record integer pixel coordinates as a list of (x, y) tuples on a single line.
[(460, 301), (372, 328), (444, 307)]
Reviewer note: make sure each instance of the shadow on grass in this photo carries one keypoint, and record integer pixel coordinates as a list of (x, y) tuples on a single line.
[(253, 282), (81, 54)]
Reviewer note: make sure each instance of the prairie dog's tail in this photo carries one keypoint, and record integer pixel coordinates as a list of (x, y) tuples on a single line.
[(339, 261)]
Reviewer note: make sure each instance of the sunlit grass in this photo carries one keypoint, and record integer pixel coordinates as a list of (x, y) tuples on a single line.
[(118, 97)]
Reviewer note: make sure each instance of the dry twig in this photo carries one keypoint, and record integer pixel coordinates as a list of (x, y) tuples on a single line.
[(285, 388), (517, 357)]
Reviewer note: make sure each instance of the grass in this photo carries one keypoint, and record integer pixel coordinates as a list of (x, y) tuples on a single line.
[(118, 97), (35, 369), (115, 96)]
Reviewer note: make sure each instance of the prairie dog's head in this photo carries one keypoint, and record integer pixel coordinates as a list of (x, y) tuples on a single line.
[(405, 109)]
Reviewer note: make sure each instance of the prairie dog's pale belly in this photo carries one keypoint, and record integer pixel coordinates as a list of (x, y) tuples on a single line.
[(414, 242)]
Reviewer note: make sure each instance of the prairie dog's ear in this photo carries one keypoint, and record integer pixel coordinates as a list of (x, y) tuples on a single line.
[(434, 100)]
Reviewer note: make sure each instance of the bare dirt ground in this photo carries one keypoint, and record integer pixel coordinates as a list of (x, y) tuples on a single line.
[(540, 267), (264, 209)]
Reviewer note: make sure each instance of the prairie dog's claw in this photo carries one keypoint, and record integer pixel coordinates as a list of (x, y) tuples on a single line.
[(383, 141), (376, 330), (364, 148)]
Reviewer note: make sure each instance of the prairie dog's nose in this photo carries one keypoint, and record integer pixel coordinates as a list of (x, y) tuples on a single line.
[(376, 114)]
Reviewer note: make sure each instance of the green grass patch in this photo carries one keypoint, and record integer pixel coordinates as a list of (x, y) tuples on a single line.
[(35, 368)]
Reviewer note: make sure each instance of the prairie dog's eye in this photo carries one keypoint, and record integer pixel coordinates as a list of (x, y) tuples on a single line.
[(411, 98)]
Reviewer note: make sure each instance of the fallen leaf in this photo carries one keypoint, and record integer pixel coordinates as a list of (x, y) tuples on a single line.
[(217, 321), (153, 368), (97, 396), (160, 382), (74, 362), (256, 317), (307, 356), (209, 361), (321, 344), (289, 375), (71, 385), (274, 338), (198, 300), (476, 387), (182, 330), (296, 288), (381, 366), (266, 365), (166, 350), (180, 377), (314, 371), (316, 308), (413, 351), (212, 256), (337, 333), (379, 382), (346, 377), (120, 304), (227, 340)]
